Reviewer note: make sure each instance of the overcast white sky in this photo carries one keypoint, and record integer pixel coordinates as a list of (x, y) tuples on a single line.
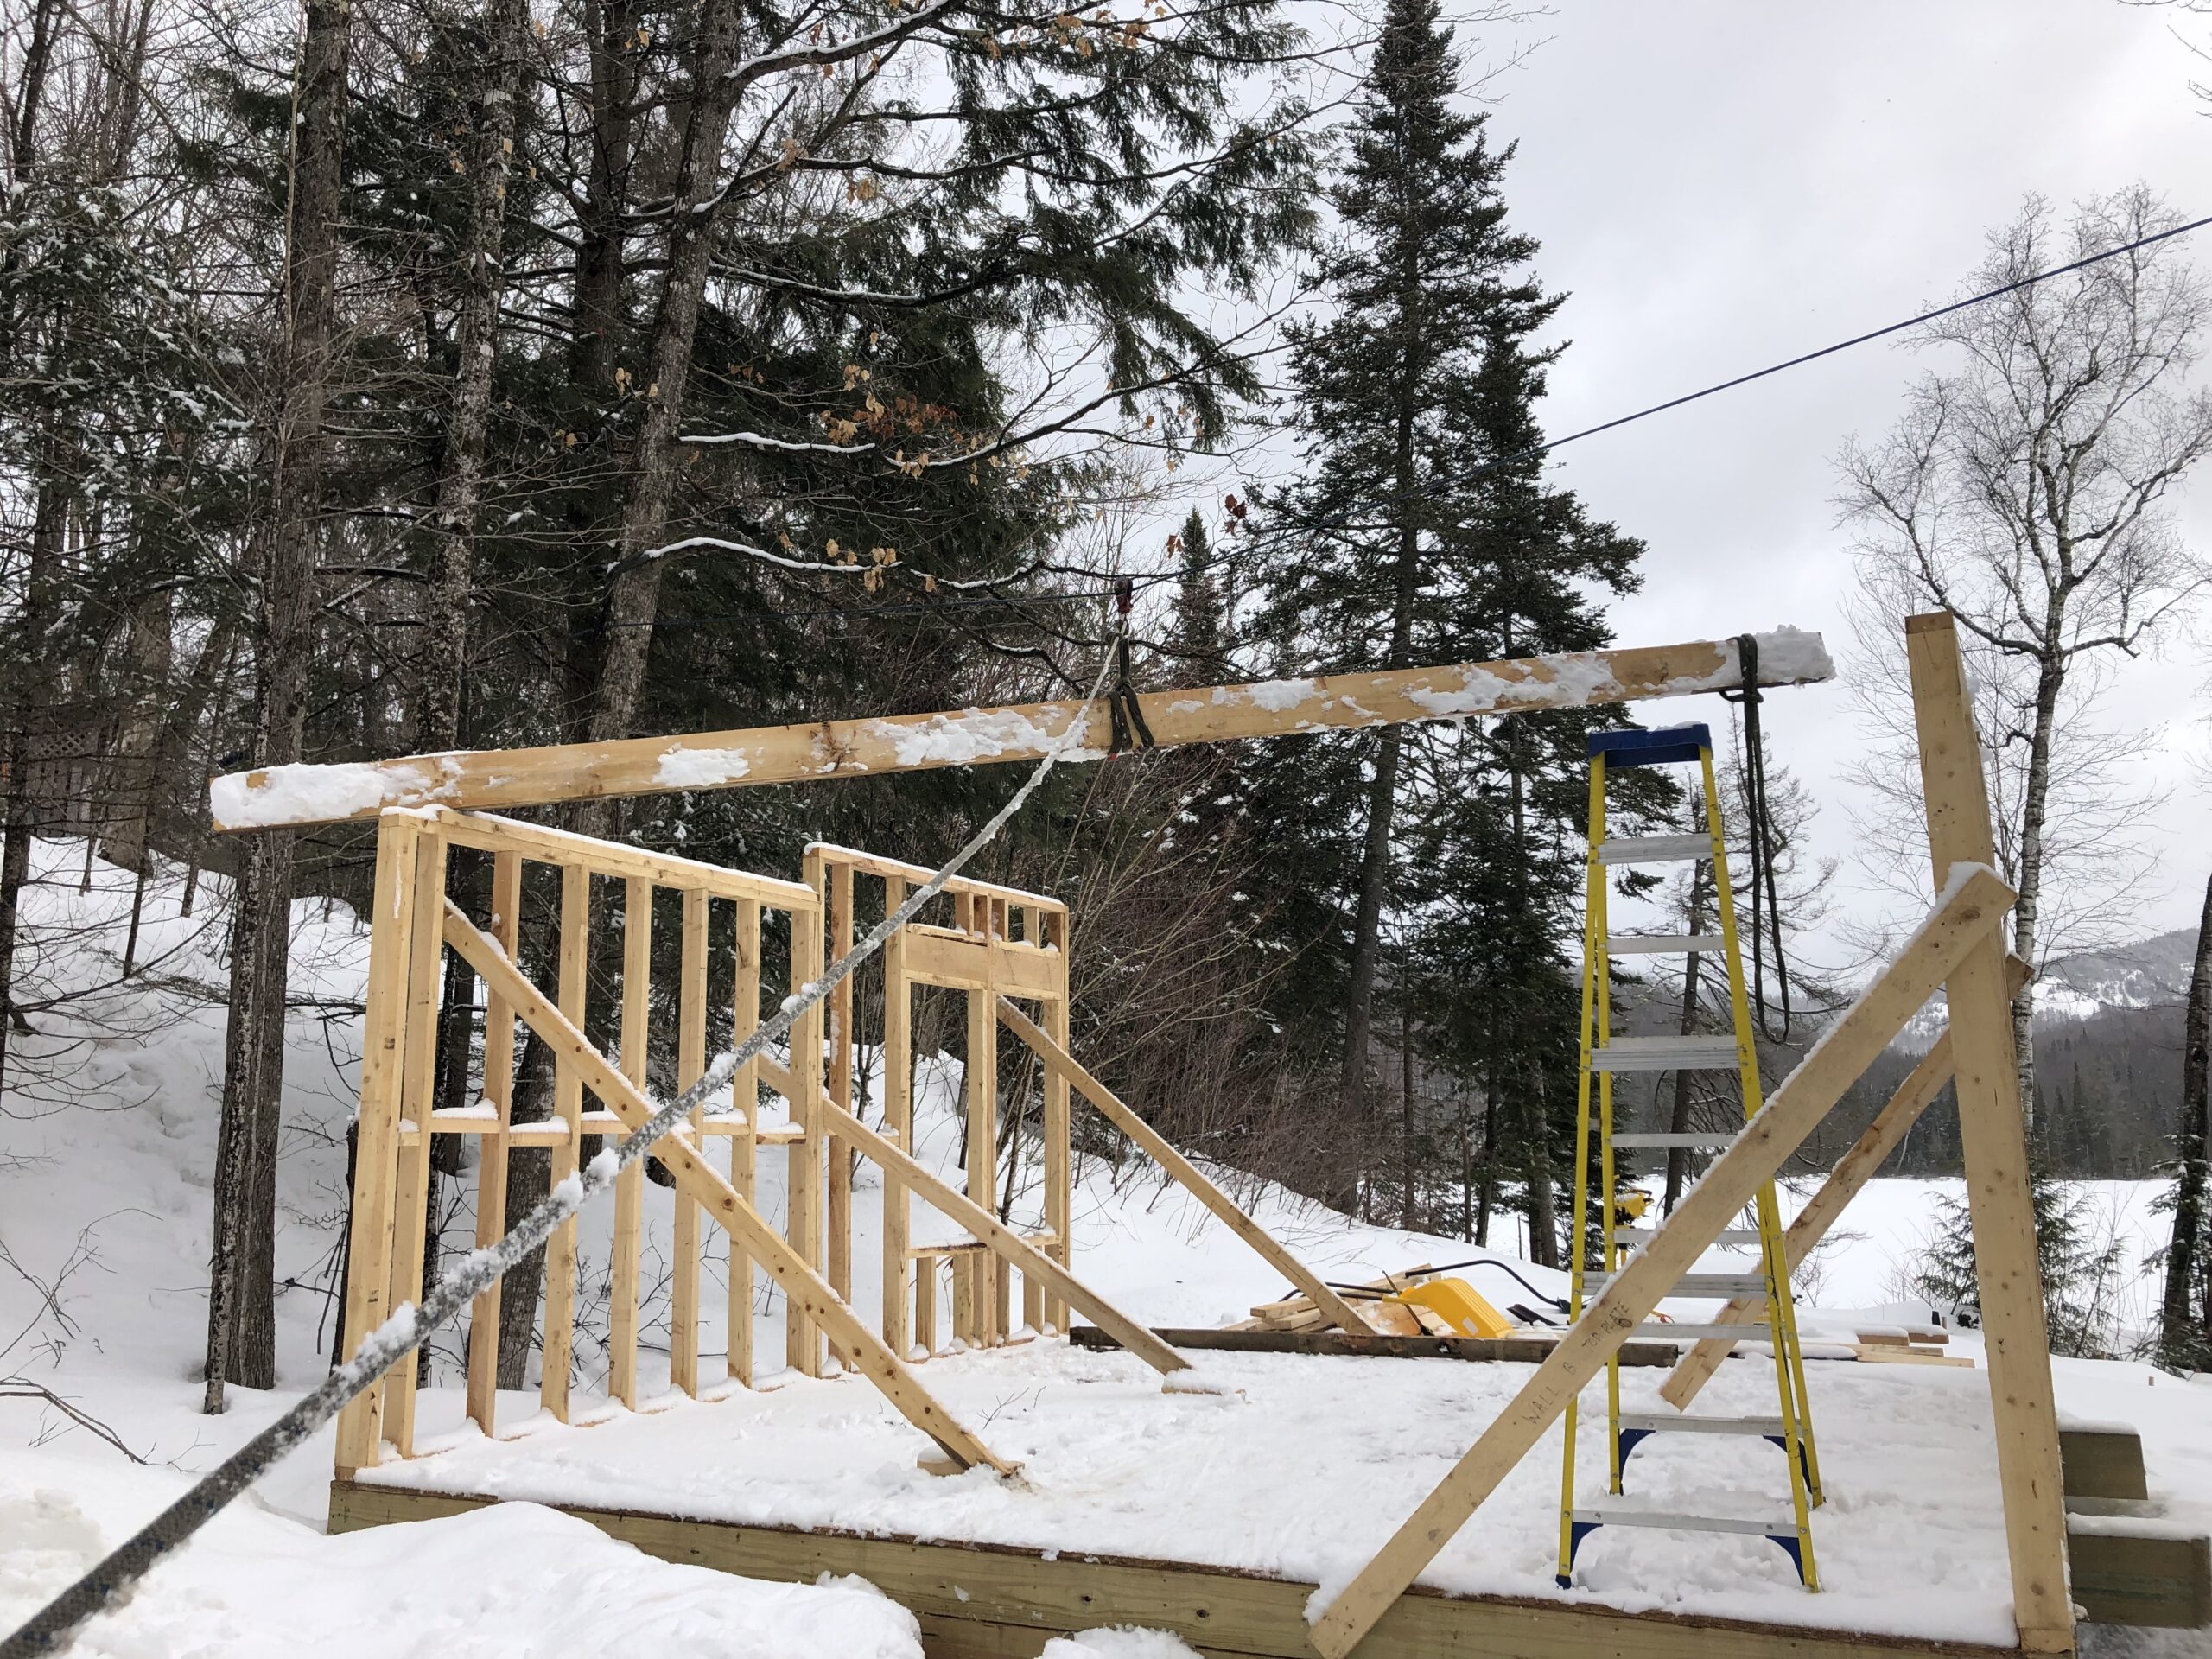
[(1722, 186)]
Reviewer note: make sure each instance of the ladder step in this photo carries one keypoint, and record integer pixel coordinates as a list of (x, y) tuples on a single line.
[(1666, 1422), (1664, 1055), (1702, 1284), (1653, 849), (1656, 1331), (1694, 1139), (1612, 1516), (1727, 1236), (1665, 944)]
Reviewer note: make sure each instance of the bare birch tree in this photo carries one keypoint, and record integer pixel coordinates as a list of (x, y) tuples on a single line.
[(2026, 491)]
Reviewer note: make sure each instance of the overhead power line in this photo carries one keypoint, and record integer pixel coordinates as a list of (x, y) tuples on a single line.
[(1872, 335)]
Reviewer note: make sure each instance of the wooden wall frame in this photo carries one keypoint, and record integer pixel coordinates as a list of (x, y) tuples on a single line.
[(1001, 939), (414, 923)]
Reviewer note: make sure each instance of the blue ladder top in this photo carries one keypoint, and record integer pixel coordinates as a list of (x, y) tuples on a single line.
[(1661, 747)]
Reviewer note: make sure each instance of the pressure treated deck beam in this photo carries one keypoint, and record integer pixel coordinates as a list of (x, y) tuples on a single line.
[(484, 779)]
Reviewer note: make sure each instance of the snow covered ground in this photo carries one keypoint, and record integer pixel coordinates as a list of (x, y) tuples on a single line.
[(109, 1139), (511, 1580)]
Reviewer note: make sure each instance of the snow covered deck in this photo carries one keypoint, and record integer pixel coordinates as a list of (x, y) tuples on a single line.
[(1215, 1514)]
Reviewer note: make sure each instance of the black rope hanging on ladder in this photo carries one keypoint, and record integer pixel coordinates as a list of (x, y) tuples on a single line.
[(1765, 904), (1129, 730)]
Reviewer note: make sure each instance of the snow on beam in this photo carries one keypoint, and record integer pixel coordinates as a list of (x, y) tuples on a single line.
[(282, 796)]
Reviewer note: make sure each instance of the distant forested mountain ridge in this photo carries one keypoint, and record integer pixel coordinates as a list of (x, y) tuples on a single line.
[(2108, 1047)]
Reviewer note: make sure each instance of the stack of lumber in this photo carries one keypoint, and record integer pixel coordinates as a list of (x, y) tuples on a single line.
[(1298, 1314), (1900, 1345)]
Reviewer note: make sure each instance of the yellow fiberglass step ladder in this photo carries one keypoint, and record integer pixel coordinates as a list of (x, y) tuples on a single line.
[(1604, 1056)]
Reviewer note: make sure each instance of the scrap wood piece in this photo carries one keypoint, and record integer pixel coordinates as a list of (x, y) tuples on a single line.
[(699, 1181), (1881, 1355), (1002, 1239), (1528, 1350), (1972, 903), (1852, 1173), (1382, 1311), (1063, 1065)]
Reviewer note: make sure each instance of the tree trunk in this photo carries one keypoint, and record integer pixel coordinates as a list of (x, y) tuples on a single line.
[(1543, 1201), (2183, 1334), (598, 299), (31, 804), (1382, 795), (529, 1180), (2027, 909), (136, 772), (453, 520), (241, 1302), (1408, 1216), (1486, 1199), (634, 594), (1367, 929), (1678, 1158)]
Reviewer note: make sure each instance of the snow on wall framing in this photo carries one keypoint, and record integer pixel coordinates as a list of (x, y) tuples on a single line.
[(1002, 944)]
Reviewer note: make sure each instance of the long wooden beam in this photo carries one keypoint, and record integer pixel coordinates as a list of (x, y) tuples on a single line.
[(1063, 1065), (1966, 915), (1845, 1182), (1992, 1144), (696, 1180), (280, 796), (957, 1206)]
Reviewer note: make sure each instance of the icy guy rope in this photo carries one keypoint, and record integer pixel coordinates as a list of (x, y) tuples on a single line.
[(410, 1327)]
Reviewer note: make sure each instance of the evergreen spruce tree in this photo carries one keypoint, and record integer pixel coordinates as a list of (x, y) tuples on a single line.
[(1198, 639), (1422, 530), (2079, 1260)]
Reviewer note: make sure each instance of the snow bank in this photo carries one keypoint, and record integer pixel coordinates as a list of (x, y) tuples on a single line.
[(512, 1581)]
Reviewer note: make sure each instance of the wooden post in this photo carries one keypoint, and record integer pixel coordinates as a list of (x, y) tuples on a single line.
[(630, 1184), (1793, 1111), (744, 1148), (839, 1221), (801, 1339), (982, 1092), (494, 1150), (1994, 1139), (376, 1150), (418, 1095), (694, 1176), (690, 1063), (898, 1119), (925, 1333), (1059, 1209), (964, 1298), (1065, 1066), (559, 1343)]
